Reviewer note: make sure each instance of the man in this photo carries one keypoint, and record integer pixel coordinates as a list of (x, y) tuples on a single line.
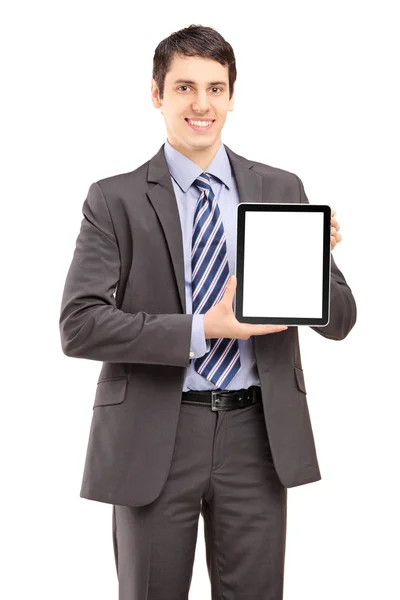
[(149, 294)]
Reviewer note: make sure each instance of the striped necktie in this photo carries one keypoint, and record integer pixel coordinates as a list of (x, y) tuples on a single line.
[(210, 275)]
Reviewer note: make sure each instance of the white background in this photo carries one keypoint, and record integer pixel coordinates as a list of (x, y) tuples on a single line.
[(317, 95)]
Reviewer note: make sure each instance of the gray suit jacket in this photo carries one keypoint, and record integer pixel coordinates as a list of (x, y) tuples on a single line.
[(124, 304)]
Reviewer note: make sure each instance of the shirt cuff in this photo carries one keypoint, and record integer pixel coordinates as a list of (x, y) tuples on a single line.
[(199, 345)]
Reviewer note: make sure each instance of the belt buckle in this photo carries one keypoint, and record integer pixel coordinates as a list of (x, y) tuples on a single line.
[(214, 400)]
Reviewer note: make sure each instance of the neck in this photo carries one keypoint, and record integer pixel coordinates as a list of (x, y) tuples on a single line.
[(201, 156)]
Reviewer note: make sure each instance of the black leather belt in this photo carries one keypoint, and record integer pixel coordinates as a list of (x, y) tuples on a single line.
[(224, 399)]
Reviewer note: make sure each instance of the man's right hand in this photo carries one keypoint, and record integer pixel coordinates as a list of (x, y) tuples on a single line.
[(220, 320)]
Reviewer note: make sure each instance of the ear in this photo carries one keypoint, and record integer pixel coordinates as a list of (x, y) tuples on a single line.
[(155, 95), (231, 102)]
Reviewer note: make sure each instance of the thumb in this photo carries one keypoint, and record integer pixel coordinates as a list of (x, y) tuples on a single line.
[(230, 289)]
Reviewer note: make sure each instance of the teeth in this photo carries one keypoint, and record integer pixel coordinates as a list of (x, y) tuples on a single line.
[(200, 123)]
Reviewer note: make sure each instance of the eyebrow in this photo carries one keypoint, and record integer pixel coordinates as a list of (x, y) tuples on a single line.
[(193, 82)]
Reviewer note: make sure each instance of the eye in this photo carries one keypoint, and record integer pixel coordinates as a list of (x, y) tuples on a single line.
[(186, 86)]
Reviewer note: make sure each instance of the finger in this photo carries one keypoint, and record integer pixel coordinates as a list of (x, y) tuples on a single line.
[(335, 224)]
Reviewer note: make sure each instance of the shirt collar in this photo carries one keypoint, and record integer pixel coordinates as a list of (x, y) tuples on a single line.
[(185, 171)]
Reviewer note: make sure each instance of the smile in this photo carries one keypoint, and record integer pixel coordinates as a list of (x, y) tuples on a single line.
[(200, 125)]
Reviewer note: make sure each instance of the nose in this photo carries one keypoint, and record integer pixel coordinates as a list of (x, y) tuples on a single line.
[(201, 102)]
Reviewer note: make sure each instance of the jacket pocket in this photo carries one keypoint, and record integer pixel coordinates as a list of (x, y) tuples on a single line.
[(299, 373), (110, 391)]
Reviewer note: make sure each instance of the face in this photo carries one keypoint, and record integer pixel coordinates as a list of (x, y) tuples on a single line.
[(195, 88)]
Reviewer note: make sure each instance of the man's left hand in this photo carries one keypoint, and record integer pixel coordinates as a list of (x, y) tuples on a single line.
[(335, 235)]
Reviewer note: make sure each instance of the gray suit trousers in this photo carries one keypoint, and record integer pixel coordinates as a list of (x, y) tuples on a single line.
[(222, 468)]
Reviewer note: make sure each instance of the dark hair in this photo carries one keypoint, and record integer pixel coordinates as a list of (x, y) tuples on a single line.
[(194, 40)]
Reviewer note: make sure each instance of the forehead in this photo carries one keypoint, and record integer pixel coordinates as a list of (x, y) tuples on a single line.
[(198, 70)]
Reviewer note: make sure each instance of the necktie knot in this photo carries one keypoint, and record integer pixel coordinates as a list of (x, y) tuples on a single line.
[(203, 182)]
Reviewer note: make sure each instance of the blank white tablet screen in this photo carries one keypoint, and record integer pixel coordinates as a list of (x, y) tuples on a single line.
[(283, 264)]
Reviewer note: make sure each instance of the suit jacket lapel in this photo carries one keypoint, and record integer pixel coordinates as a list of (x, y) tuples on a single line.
[(162, 197)]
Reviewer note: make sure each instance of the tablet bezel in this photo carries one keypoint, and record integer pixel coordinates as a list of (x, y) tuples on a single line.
[(245, 207)]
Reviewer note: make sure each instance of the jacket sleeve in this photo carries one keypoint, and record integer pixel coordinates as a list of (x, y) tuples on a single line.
[(343, 309), (91, 326)]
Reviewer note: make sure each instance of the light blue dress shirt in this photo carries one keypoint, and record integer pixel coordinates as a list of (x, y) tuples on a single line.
[(183, 173)]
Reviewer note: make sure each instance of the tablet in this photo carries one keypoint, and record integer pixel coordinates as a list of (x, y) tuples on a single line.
[(283, 263)]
